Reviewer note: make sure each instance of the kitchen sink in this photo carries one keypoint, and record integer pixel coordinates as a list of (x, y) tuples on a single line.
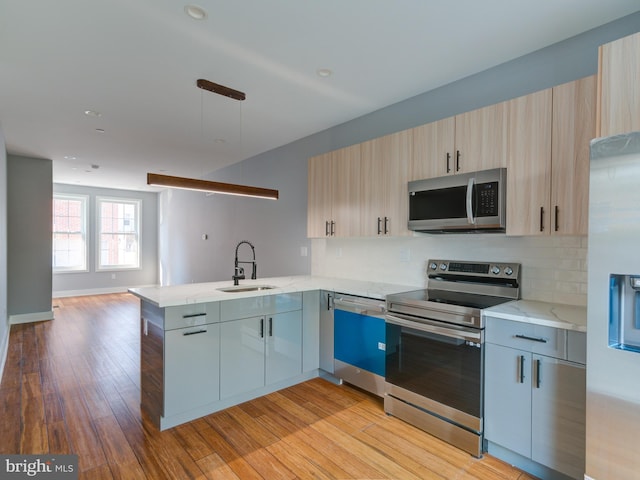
[(245, 288)]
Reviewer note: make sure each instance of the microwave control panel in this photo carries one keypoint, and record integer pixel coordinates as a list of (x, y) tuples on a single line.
[(486, 199)]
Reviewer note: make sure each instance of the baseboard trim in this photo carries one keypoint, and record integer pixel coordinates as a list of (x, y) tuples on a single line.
[(30, 317), (93, 291), (4, 351)]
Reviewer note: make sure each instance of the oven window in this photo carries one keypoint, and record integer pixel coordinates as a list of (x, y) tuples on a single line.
[(441, 368)]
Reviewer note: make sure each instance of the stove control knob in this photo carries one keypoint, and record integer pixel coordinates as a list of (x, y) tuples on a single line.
[(508, 271), (495, 270), (433, 265), (443, 266)]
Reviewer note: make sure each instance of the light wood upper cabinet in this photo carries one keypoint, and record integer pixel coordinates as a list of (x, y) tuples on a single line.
[(468, 142), (433, 145), (619, 87), (333, 191), (384, 176), (345, 174), (529, 165), (481, 139), (574, 125), (319, 190), (548, 166)]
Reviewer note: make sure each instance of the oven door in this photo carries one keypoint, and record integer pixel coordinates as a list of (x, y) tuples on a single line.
[(439, 364)]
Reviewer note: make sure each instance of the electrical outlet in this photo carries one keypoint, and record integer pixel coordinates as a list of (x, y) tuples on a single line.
[(304, 251), (113, 276)]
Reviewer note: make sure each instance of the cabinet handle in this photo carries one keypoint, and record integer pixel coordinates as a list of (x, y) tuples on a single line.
[(333, 229), (386, 225), (270, 327), (326, 228), (557, 227), (448, 158), (328, 301), (533, 339), (195, 332), (192, 315), (379, 225), (521, 366), (542, 219), (457, 160), (262, 328), (538, 373)]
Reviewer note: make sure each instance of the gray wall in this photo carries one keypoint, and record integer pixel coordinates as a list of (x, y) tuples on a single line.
[(71, 283), (29, 190), (278, 229), (4, 317)]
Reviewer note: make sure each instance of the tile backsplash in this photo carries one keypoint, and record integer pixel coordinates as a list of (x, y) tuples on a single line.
[(554, 269)]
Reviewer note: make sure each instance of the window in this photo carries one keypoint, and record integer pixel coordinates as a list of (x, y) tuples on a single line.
[(69, 233), (118, 234)]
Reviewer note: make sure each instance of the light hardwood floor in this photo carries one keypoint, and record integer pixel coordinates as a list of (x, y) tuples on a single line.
[(72, 386)]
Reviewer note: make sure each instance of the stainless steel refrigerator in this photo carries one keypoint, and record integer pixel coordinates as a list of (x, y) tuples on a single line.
[(613, 310)]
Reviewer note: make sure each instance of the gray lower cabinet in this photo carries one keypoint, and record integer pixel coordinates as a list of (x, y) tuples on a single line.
[(241, 356), (192, 358), (534, 403), (179, 359), (326, 331), (262, 349)]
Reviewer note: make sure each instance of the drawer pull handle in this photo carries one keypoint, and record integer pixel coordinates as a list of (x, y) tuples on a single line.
[(538, 373), (192, 315), (195, 332), (533, 339)]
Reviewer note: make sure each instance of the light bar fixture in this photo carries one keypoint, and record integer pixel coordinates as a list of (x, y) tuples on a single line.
[(210, 187)]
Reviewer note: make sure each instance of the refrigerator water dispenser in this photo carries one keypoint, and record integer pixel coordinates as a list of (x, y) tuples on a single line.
[(624, 312)]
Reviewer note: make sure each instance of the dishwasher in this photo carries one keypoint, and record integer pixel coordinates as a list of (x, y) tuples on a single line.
[(359, 342)]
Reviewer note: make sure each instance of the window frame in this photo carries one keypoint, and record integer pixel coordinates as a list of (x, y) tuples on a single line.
[(85, 232), (138, 204)]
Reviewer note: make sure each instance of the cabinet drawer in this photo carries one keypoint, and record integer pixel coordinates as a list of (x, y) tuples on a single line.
[(260, 305), (526, 336), (191, 315)]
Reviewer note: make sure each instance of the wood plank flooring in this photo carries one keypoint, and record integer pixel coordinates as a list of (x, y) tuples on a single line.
[(72, 386)]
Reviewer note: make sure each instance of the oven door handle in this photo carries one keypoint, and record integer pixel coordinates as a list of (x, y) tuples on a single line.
[(460, 333), (370, 310)]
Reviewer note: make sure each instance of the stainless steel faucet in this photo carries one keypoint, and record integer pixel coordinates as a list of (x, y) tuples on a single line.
[(238, 273)]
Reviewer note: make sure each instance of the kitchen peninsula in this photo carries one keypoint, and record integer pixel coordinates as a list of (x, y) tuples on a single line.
[(209, 346)]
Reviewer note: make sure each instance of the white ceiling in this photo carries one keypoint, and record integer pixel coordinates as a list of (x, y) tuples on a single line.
[(137, 61)]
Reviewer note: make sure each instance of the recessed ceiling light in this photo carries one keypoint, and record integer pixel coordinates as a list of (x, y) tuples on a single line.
[(100, 130), (195, 12), (70, 157), (92, 113), (324, 72)]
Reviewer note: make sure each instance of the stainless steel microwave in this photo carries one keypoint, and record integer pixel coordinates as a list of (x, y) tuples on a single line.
[(467, 202)]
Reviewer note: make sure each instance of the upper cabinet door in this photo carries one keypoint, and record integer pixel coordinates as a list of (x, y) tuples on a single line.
[(529, 165), (384, 177), (481, 139), (319, 196), (619, 77), (574, 125), (345, 196), (433, 150)]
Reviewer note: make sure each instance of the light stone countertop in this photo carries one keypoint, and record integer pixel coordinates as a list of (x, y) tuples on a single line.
[(569, 317), (175, 295)]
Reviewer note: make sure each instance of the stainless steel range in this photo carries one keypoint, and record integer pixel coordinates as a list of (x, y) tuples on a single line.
[(435, 348)]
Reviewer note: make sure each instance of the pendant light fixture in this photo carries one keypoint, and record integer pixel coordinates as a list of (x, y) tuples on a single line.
[(207, 185), (210, 186)]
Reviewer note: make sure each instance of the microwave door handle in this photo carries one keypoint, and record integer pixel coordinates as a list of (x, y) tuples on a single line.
[(470, 218)]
